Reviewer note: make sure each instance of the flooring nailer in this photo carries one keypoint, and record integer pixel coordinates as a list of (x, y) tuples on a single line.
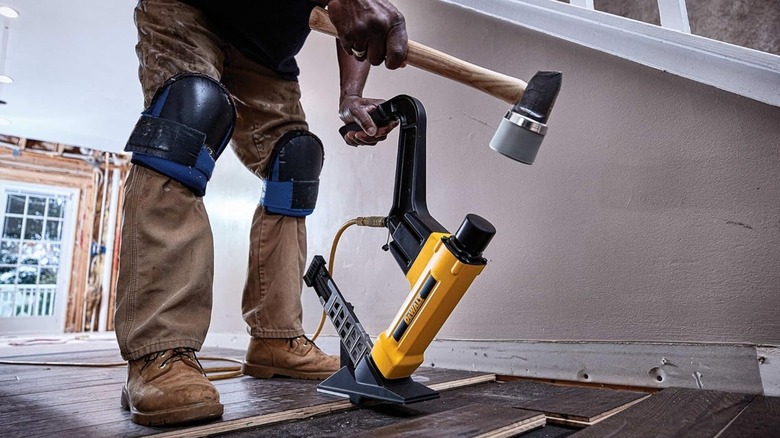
[(439, 266)]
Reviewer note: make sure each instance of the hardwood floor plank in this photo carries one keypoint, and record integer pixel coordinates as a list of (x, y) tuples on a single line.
[(41, 373), (369, 417), (34, 412), (474, 420), (20, 402), (761, 419), (52, 400), (51, 385), (674, 412), (574, 405)]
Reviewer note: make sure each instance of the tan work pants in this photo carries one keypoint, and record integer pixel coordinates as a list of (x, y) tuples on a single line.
[(166, 267)]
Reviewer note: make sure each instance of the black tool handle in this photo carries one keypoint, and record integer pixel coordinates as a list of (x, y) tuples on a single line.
[(380, 115)]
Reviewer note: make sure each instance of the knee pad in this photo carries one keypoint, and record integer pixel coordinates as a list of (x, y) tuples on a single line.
[(185, 129), (293, 180)]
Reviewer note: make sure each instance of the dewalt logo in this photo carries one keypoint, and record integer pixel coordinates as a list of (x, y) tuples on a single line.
[(425, 291), (413, 309)]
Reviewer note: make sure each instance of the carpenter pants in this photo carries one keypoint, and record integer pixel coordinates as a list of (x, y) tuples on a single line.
[(166, 266)]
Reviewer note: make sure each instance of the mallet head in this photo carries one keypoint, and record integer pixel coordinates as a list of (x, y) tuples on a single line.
[(522, 129)]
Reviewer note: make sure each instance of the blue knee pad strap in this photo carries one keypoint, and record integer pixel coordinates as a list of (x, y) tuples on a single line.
[(289, 198), (193, 177), (292, 185)]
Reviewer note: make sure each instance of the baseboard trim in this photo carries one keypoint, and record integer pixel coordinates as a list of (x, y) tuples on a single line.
[(724, 367)]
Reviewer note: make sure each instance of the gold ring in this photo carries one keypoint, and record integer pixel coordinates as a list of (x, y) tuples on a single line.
[(358, 54)]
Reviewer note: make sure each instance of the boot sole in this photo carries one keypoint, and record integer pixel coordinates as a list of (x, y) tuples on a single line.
[(266, 372), (188, 414)]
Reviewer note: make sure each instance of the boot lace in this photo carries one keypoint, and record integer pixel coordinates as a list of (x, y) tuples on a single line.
[(176, 354), (306, 341)]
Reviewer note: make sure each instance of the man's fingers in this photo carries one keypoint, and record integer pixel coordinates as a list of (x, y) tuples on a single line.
[(365, 121), (397, 44), (364, 139), (376, 50)]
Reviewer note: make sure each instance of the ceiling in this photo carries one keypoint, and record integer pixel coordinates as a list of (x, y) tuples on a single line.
[(74, 71)]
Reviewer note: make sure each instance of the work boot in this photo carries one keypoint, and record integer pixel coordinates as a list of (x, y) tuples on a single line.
[(169, 387), (297, 357)]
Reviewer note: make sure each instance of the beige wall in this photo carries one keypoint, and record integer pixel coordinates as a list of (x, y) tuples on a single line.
[(652, 212)]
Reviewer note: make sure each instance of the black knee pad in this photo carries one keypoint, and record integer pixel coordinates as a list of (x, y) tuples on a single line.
[(293, 175), (184, 130)]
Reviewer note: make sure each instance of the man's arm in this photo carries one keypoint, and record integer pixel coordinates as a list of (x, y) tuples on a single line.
[(353, 107), (372, 30)]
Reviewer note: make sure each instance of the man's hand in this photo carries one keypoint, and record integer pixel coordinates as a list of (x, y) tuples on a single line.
[(370, 29), (355, 109)]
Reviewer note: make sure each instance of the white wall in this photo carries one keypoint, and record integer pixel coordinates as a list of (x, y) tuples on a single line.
[(651, 214)]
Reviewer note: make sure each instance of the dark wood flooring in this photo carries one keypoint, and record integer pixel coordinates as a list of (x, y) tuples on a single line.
[(84, 402)]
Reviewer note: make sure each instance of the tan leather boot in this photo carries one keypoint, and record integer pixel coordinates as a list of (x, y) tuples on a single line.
[(297, 357), (169, 387)]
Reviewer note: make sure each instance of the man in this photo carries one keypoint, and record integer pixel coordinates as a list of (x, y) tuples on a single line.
[(211, 71)]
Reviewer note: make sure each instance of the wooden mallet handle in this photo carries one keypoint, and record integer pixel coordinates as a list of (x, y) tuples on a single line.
[(496, 84)]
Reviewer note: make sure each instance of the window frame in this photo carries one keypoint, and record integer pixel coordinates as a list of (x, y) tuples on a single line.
[(739, 70)]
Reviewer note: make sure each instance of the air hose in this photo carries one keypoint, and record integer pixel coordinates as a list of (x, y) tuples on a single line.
[(361, 221)]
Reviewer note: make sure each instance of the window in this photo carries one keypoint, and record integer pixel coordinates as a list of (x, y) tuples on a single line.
[(35, 246), (753, 24), (739, 70)]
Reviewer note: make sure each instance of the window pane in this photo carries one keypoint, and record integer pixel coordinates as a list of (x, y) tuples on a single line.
[(7, 275), (15, 204), (56, 207), (9, 253), (53, 229), (50, 254), (32, 252), (28, 275), (48, 276), (12, 228), (34, 229), (36, 206)]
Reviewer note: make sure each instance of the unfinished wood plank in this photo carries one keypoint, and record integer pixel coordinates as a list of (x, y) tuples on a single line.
[(467, 421), (761, 419), (674, 412)]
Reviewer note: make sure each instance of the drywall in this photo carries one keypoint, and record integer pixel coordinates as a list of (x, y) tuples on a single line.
[(651, 214)]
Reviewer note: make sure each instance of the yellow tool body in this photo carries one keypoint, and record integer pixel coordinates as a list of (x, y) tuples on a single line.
[(438, 280)]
